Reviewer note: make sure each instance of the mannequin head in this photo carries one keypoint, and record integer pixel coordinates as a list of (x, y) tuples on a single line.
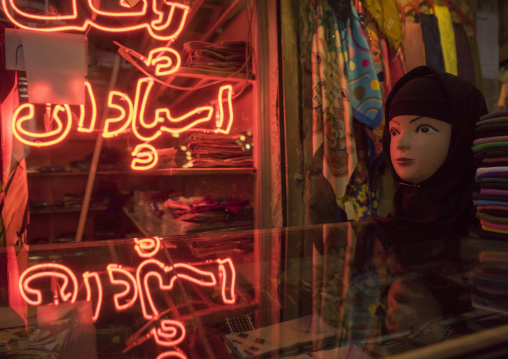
[(419, 146), (430, 122), (419, 128), (409, 305)]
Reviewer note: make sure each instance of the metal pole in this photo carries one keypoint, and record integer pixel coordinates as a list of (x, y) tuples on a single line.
[(95, 159)]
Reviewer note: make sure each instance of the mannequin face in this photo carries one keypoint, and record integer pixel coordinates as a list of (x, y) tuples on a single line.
[(418, 147), (409, 304)]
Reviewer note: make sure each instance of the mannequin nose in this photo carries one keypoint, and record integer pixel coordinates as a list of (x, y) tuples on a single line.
[(404, 142)]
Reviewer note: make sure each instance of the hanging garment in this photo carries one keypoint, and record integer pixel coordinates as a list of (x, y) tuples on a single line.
[(387, 17), (413, 47), (375, 134), (365, 91), (475, 54), (432, 40), (447, 36), (465, 64), (332, 117)]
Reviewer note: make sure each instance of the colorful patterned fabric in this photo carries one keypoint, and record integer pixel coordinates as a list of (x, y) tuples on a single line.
[(366, 94), (387, 17), (332, 117)]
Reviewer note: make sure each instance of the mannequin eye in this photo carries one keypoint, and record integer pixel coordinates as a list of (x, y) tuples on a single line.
[(394, 132), (425, 129)]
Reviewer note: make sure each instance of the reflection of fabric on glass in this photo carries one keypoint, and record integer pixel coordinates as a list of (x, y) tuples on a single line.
[(184, 215), (228, 56), (215, 150), (490, 282), (291, 337)]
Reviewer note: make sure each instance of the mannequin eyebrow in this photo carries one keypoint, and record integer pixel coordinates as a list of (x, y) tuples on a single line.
[(415, 119)]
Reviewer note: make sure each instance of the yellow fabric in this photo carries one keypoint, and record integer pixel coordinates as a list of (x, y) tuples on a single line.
[(495, 230), (447, 37), (387, 16)]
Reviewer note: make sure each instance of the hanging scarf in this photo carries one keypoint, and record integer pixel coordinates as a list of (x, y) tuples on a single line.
[(364, 87), (332, 117), (447, 36), (442, 205)]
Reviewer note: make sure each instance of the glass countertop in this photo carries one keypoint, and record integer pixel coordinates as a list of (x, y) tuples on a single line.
[(341, 290)]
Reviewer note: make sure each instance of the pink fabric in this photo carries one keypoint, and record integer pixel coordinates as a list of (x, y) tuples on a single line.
[(503, 227), (413, 47)]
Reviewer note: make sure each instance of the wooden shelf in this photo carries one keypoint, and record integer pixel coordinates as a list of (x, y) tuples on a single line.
[(157, 172), (61, 210)]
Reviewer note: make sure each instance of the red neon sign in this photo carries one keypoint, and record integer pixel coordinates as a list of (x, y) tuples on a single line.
[(128, 113), (131, 284), (86, 277), (168, 18), (53, 271)]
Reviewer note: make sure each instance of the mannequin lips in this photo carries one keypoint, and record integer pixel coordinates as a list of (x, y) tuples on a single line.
[(402, 161)]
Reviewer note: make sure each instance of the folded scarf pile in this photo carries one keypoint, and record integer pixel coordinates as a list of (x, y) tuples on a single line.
[(490, 149), (226, 56)]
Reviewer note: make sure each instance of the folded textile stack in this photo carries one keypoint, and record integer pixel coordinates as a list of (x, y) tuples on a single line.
[(216, 150), (490, 149), (186, 215), (490, 282), (226, 56)]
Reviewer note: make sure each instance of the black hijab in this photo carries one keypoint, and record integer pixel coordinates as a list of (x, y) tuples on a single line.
[(442, 205)]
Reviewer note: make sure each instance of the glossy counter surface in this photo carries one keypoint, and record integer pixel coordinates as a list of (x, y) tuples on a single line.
[(331, 291)]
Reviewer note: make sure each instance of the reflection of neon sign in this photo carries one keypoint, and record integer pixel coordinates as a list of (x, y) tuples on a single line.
[(126, 113), (162, 27), (133, 285)]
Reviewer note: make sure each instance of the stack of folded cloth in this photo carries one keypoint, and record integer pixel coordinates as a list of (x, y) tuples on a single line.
[(219, 150), (226, 56), (490, 149)]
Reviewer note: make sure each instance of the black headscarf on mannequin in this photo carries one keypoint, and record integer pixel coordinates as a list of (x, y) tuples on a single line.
[(442, 205)]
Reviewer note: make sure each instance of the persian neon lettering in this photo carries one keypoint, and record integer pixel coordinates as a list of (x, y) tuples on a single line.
[(51, 270), (147, 247), (165, 19), (120, 276), (125, 113), (133, 285), (89, 291)]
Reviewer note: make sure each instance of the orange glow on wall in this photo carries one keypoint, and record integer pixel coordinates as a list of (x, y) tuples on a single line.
[(145, 157), (161, 27)]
